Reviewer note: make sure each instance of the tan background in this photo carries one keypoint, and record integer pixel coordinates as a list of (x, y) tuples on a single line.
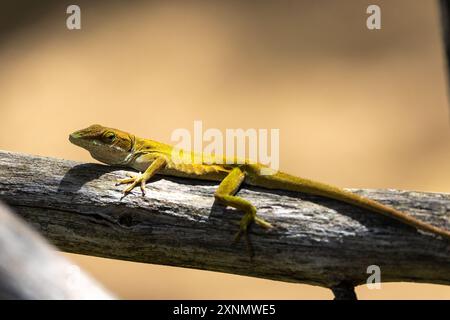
[(355, 108)]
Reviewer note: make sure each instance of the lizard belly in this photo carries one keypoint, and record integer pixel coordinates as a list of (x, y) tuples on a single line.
[(199, 171), (211, 176), (210, 172)]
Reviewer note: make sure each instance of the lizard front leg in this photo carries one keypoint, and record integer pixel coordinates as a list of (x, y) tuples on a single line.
[(141, 179), (225, 194)]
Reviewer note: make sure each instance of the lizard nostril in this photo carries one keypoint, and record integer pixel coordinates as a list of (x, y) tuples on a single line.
[(74, 137)]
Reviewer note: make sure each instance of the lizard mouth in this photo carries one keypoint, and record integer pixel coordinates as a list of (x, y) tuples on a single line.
[(75, 138)]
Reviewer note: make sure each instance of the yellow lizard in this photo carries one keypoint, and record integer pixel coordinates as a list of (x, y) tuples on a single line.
[(116, 147)]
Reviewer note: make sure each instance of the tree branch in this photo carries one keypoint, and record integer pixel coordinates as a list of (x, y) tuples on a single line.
[(315, 240), (31, 269)]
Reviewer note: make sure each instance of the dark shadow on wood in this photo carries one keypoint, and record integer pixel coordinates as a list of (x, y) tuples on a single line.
[(81, 174)]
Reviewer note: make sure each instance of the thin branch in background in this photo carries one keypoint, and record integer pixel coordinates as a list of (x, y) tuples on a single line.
[(31, 269), (445, 30)]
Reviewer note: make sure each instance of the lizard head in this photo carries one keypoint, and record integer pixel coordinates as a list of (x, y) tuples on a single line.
[(107, 145)]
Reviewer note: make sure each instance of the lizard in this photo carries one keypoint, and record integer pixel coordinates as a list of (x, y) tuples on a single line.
[(116, 147)]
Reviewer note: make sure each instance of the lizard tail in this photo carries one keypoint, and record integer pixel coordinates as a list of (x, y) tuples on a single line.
[(283, 181)]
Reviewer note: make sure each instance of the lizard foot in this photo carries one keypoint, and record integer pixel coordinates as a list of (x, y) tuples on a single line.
[(134, 180), (237, 238), (245, 224)]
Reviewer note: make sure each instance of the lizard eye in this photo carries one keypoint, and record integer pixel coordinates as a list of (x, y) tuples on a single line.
[(110, 136)]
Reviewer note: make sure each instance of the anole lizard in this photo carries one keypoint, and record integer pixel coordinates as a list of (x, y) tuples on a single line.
[(116, 147)]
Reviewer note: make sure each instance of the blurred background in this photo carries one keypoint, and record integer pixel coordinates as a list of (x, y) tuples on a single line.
[(355, 107)]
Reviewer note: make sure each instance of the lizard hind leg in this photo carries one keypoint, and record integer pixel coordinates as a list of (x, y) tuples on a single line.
[(225, 194)]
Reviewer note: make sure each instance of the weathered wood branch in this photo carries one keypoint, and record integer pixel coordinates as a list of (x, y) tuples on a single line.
[(315, 240), (31, 269)]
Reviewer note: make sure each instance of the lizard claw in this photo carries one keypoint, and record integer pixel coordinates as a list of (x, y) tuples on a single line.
[(237, 238), (143, 187), (134, 180), (245, 224)]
